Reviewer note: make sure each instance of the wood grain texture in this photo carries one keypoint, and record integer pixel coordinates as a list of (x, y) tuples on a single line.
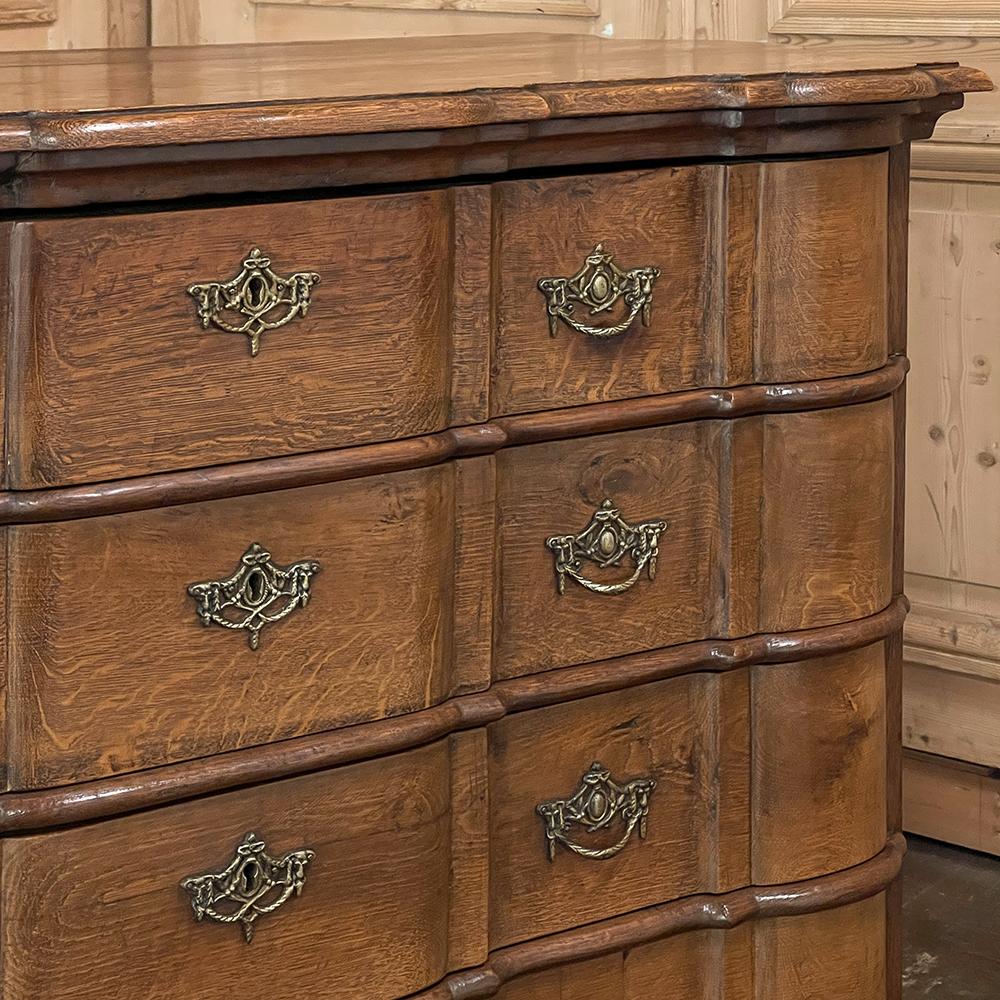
[(839, 955), (952, 801), (359, 926), (689, 734), (444, 83), (107, 600), (827, 544), (653, 218), (819, 765), (646, 927), (146, 492), (139, 387), (668, 474), (85, 801), (821, 254), (951, 714)]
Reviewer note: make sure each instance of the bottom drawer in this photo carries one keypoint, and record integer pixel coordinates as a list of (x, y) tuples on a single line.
[(834, 955), (99, 912)]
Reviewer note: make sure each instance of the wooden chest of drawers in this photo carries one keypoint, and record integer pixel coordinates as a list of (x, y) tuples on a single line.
[(451, 538)]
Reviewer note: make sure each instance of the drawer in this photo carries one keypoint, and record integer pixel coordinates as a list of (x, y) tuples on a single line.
[(111, 668), (703, 783), (619, 285), (116, 377), (674, 821), (834, 955), (386, 905), (626, 542)]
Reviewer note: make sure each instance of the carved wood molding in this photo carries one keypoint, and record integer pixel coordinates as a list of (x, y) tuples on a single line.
[(722, 912), (314, 468), (968, 161), (560, 8), (48, 807), (890, 17), (19, 13)]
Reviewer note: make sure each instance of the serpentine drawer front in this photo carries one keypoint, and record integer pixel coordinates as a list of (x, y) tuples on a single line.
[(451, 519)]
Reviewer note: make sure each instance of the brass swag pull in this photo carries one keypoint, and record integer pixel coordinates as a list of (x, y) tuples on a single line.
[(253, 885), (257, 299), (259, 593), (606, 541), (599, 285), (595, 805)]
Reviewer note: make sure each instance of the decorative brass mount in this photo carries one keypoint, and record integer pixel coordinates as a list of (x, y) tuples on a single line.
[(606, 541), (599, 285), (257, 299), (257, 594), (595, 805), (253, 885)]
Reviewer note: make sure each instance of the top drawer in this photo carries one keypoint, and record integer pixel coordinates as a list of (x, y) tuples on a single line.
[(114, 375), (631, 284), (368, 319)]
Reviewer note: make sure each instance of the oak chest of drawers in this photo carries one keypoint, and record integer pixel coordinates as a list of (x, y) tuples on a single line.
[(451, 537)]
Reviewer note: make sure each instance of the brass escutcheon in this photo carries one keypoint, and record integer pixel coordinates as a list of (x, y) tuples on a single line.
[(595, 805), (606, 541), (259, 593), (255, 301), (599, 285), (253, 885)]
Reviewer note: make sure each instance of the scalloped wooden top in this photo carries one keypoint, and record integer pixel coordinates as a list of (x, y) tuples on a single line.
[(162, 96)]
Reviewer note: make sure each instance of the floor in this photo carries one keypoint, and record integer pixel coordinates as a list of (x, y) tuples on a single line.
[(951, 922)]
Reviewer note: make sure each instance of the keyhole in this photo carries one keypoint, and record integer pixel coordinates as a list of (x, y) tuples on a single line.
[(256, 586), (249, 877), (256, 291)]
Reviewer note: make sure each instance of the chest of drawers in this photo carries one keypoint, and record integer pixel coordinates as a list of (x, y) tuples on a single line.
[(451, 537)]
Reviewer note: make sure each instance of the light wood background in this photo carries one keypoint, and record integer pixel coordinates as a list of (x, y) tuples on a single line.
[(952, 684)]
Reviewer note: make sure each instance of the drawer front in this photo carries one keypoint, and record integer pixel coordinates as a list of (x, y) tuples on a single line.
[(656, 229), (626, 542), (629, 284), (117, 665), (834, 955), (700, 783), (678, 823), (100, 911), (117, 377)]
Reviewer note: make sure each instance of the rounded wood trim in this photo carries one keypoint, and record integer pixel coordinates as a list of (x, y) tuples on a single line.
[(265, 475), (91, 800), (703, 912), (350, 115)]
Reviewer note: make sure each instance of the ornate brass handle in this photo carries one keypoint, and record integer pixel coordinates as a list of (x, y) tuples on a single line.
[(599, 285), (595, 805), (257, 594), (606, 541), (253, 885), (255, 300)]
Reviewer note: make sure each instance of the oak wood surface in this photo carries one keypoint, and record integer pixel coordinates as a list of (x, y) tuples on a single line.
[(115, 376), (643, 928), (106, 914), (827, 543), (443, 82), (146, 492), (819, 765), (86, 801), (111, 670), (690, 735)]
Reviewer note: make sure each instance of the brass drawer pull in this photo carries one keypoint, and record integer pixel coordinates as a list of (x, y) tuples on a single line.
[(599, 285), (606, 541), (595, 805), (255, 300), (253, 885), (259, 593)]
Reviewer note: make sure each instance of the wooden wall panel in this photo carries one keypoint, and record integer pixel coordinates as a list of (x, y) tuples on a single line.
[(73, 24)]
